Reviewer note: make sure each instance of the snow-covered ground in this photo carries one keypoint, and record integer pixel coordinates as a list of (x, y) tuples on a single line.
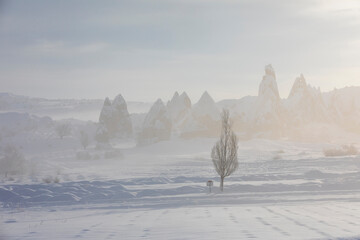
[(318, 220), (325, 220), (282, 190)]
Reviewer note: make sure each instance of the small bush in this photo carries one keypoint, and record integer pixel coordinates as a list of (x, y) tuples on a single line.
[(277, 155), (63, 129), (11, 179), (13, 162), (56, 180), (345, 150), (50, 179)]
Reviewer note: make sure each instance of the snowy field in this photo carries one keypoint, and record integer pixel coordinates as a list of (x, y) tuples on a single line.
[(318, 220), (115, 116), (285, 191)]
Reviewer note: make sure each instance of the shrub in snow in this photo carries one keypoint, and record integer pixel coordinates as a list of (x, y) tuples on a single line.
[(50, 179), (56, 180), (13, 161), (277, 155), (47, 179), (63, 129), (345, 150)]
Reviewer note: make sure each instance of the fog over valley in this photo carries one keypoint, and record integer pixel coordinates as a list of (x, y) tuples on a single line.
[(135, 119)]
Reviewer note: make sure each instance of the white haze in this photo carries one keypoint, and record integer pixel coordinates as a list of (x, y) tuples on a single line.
[(148, 49), (109, 111)]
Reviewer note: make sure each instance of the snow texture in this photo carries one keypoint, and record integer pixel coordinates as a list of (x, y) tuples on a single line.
[(159, 192)]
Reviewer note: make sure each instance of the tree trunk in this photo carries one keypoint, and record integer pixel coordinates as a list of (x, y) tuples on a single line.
[(222, 184)]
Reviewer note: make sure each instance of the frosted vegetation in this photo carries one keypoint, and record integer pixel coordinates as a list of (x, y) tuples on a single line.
[(141, 168), (306, 115)]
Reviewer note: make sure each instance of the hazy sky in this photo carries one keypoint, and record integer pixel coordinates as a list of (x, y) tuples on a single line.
[(149, 49)]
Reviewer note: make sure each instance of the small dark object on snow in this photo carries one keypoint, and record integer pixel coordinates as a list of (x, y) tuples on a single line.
[(209, 184)]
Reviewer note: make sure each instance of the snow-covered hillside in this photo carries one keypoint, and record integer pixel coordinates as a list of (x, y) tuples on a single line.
[(305, 104), (57, 109), (307, 113), (13, 122)]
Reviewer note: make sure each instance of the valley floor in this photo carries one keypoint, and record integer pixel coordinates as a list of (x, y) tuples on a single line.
[(299, 220), (282, 190)]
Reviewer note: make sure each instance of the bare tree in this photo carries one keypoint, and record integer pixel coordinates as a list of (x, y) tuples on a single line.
[(63, 129), (84, 139), (224, 152)]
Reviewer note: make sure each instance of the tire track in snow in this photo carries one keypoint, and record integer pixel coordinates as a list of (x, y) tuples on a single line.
[(296, 222)]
